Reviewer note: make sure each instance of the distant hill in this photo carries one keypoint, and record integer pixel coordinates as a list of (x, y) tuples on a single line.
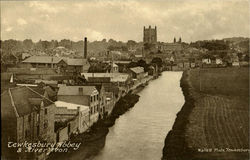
[(236, 39)]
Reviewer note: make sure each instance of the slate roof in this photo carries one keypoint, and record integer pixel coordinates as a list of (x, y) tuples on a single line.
[(114, 77), (55, 60), (42, 59), (50, 91), (31, 71), (20, 101), (74, 90), (137, 70)]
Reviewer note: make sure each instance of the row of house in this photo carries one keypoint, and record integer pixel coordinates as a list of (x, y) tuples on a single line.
[(62, 65), (49, 111), (230, 61)]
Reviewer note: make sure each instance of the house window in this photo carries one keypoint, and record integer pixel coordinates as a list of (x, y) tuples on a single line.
[(45, 125), (45, 111), (29, 118), (91, 99), (26, 133), (38, 130), (37, 117), (97, 97)]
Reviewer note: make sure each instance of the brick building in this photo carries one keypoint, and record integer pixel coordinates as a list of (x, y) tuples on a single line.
[(77, 115), (63, 65), (82, 95), (28, 116), (137, 72)]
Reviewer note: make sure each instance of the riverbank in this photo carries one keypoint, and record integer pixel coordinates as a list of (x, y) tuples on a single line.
[(213, 123), (94, 140), (175, 146)]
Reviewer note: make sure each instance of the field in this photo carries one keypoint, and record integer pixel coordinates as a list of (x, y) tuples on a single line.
[(221, 81), (219, 120)]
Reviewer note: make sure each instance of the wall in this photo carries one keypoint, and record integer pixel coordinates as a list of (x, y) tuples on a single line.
[(25, 128), (82, 100), (47, 123), (102, 101), (63, 114), (9, 129), (93, 118), (84, 121), (150, 35), (74, 125), (63, 134), (139, 76)]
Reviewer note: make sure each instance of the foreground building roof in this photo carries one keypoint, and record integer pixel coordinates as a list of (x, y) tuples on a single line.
[(20, 101), (76, 90), (114, 77), (55, 60), (137, 69)]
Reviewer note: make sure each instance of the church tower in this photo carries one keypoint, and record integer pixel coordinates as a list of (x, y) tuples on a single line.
[(150, 35)]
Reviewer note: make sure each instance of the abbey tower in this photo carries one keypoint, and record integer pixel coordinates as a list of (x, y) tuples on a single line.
[(150, 35)]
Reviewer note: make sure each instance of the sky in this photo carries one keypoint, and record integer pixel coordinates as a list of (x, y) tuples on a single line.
[(123, 20)]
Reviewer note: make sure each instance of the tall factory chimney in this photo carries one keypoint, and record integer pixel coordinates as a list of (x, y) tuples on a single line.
[(85, 47)]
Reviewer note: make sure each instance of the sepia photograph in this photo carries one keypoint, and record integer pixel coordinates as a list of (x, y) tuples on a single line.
[(125, 79)]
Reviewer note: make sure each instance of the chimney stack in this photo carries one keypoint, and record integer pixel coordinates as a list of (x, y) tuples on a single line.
[(85, 47), (80, 89)]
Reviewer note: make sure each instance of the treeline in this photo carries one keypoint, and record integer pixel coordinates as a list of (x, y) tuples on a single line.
[(28, 44), (12, 47), (211, 45)]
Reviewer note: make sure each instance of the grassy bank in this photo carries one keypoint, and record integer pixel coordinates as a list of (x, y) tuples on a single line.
[(175, 146), (215, 117), (94, 140)]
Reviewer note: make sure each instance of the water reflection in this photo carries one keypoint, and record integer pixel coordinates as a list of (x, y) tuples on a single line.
[(140, 133)]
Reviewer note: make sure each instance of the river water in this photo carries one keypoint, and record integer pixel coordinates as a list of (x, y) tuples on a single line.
[(140, 133)]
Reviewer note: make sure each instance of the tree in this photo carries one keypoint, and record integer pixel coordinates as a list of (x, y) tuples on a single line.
[(66, 43), (131, 43), (148, 46), (28, 44), (132, 64), (157, 61), (143, 64)]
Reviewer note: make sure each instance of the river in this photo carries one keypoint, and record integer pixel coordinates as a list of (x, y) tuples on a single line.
[(140, 132)]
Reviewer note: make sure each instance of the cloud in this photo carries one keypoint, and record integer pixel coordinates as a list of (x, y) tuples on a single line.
[(124, 20), (8, 29), (45, 6), (21, 21), (94, 35)]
